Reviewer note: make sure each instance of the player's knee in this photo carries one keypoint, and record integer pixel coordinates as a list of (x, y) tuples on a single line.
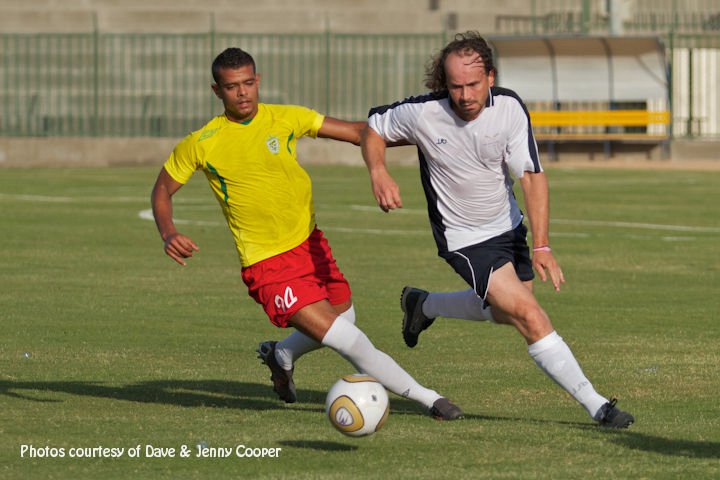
[(536, 322), (529, 315)]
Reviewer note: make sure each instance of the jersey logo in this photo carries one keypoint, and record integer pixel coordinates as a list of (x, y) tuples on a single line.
[(288, 301), (441, 141), (273, 145), (207, 134)]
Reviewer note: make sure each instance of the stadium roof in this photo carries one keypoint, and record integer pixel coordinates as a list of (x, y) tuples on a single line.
[(582, 68)]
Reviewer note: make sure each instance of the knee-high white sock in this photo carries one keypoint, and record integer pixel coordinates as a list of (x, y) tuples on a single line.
[(297, 344), (554, 357), (350, 342), (464, 304)]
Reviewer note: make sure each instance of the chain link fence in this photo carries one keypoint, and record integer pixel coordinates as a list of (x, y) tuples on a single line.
[(158, 85)]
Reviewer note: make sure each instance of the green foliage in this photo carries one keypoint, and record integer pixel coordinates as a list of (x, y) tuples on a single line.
[(107, 342)]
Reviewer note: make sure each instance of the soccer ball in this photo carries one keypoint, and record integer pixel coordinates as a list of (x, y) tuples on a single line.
[(357, 405)]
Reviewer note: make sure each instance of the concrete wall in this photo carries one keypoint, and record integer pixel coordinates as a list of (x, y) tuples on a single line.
[(268, 16), (81, 151), (78, 152)]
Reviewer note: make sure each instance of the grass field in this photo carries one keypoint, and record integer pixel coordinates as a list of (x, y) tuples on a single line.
[(108, 343)]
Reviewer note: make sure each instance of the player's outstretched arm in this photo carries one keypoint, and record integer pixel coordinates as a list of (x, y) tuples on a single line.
[(177, 246), (535, 191), (341, 130), (386, 191)]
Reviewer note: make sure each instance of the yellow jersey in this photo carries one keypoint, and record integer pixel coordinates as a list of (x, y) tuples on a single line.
[(252, 168)]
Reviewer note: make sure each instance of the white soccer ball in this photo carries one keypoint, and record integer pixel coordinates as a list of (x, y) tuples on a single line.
[(357, 405)]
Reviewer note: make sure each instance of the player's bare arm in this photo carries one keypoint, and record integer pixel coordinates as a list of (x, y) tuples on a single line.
[(535, 191), (385, 190), (341, 130), (177, 246)]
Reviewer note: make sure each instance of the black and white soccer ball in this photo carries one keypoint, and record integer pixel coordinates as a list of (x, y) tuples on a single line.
[(357, 405)]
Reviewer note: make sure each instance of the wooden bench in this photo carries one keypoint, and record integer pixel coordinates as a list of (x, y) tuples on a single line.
[(601, 126)]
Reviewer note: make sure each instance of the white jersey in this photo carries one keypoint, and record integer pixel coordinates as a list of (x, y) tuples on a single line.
[(465, 166)]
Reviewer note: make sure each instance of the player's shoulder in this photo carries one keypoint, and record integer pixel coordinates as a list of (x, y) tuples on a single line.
[(197, 139), (417, 102), (506, 96), (291, 116), (509, 102), (278, 110), (296, 118), (209, 130)]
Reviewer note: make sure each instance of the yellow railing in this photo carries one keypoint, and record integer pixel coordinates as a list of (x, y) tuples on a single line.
[(603, 126), (608, 118)]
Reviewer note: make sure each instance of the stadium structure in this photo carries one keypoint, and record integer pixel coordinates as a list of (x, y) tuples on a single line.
[(85, 82)]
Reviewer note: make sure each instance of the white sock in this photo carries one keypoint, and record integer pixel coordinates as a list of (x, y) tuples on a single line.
[(553, 355), (349, 314), (297, 344), (350, 342), (464, 304)]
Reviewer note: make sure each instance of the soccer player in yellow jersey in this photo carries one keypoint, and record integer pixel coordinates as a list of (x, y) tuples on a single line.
[(248, 155)]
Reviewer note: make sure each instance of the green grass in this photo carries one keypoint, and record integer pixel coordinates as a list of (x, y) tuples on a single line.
[(107, 342)]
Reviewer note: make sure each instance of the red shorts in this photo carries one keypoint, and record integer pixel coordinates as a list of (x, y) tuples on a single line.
[(287, 282)]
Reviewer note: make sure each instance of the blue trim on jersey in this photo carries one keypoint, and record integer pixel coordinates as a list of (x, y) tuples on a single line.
[(531, 138), (436, 221), (431, 197), (490, 99), (428, 97)]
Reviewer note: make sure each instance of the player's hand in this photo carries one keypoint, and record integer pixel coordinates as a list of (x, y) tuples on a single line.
[(544, 263), (178, 247), (386, 191)]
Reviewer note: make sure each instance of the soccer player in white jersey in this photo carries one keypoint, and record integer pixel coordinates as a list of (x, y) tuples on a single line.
[(472, 139), (248, 155)]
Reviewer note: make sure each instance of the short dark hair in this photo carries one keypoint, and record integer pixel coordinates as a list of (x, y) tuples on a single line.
[(464, 44), (231, 58)]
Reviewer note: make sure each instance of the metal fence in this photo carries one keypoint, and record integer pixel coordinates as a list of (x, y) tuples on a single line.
[(584, 17), (101, 84), (158, 85)]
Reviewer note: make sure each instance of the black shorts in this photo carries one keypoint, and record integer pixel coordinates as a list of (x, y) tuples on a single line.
[(476, 263)]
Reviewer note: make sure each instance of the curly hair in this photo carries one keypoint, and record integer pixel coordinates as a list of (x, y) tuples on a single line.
[(231, 58), (464, 44)]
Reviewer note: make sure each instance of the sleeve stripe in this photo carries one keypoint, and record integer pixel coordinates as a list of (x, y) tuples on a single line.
[(418, 99), (532, 145)]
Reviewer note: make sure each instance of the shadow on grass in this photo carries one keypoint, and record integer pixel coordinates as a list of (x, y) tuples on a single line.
[(255, 396), (187, 393), (209, 393), (205, 393), (667, 446), (675, 447), (183, 393), (319, 445)]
